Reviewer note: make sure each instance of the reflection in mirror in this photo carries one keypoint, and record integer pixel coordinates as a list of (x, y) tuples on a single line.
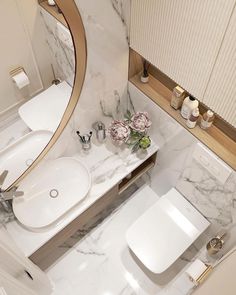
[(36, 78)]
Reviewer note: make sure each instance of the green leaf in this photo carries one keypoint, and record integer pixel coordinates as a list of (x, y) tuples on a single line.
[(128, 115), (145, 142), (135, 147)]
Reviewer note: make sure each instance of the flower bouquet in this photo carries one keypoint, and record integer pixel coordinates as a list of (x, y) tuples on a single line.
[(132, 131)]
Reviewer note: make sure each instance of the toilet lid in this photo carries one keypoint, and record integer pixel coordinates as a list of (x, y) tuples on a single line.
[(162, 234), (45, 110)]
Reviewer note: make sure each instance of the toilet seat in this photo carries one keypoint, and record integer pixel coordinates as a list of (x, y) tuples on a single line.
[(162, 234)]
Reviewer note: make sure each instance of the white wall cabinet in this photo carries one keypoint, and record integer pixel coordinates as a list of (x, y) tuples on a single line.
[(184, 39), (220, 94)]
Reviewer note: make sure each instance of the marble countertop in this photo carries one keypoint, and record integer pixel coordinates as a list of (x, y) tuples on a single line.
[(108, 166)]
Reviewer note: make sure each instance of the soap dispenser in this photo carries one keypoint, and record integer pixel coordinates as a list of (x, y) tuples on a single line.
[(100, 131)]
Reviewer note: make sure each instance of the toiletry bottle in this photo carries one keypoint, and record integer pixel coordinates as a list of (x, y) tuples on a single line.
[(177, 97), (207, 119), (192, 120), (51, 2), (145, 76), (100, 131), (189, 104)]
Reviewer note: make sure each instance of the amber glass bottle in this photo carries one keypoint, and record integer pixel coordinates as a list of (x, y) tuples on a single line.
[(207, 119)]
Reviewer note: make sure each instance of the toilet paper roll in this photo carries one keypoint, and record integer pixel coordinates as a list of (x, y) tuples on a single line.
[(195, 270), (21, 79)]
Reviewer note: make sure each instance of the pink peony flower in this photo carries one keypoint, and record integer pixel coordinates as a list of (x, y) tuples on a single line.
[(119, 131), (140, 122)]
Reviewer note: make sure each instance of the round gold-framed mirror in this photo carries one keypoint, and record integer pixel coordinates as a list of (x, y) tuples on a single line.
[(74, 23)]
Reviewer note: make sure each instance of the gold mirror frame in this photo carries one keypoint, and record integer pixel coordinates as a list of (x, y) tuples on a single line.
[(74, 21)]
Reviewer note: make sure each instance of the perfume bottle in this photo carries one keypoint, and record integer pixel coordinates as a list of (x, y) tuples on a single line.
[(177, 97), (192, 120), (207, 119)]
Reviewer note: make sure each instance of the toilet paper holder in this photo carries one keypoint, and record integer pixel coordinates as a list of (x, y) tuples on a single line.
[(19, 77), (204, 275), (16, 71), (198, 271)]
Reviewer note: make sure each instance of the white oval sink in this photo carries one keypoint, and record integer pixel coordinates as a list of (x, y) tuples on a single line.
[(50, 191)]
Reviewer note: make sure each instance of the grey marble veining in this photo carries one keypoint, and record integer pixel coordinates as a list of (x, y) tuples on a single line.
[(213, 199), (122, 7), (62, 55)]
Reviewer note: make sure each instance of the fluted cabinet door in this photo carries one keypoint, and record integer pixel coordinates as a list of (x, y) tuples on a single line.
[(221, 91), (182, 38)]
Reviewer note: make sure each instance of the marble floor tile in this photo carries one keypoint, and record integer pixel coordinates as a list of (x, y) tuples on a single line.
[(102, 264), (117, 250), (85, 269), (110, 237)]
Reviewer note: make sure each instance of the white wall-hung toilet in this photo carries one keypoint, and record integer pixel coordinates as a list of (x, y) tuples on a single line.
[(45, 110), (162, 234)]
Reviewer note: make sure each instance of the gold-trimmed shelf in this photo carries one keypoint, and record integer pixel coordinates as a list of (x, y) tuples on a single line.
[(54, 12), (216, 140), (137, 173)]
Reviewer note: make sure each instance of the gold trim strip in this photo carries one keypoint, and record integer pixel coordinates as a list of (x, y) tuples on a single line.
[(204, 275)]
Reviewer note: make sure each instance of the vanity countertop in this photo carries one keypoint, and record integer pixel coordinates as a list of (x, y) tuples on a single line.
[(108, 166)]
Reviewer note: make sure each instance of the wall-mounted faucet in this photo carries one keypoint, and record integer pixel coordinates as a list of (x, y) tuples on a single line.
[(7, 196), (100, 129), (85, 140)]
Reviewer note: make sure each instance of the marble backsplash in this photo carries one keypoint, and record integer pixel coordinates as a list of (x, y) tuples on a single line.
[(216, 201), (107, 64)]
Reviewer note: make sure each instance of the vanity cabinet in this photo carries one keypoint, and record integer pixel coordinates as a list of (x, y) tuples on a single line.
[(192, 43), (47, 254)]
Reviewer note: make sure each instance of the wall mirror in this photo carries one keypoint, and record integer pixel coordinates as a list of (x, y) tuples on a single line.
[(40, 80)]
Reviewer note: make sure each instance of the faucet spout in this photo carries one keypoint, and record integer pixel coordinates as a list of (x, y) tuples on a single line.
[(7, 195)]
